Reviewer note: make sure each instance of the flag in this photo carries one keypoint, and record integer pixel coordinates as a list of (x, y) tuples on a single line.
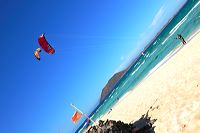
[(77, 115)]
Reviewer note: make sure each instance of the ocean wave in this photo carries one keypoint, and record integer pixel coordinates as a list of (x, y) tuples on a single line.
[(117, 88), (134, 71), (101, 116), (177, 26), (193, 8), (152, 52), (92, 116), (137, 68), (124, 83), (146, 55), (112, 92), (97, 110), (142, 62), (138, 63), (155, 42), (183, 20), (154, 69), (166, 39), (171, 54)]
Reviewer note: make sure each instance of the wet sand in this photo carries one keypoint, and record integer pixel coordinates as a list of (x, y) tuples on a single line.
[(171, 94)]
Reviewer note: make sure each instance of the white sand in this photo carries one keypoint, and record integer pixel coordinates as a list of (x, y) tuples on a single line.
[(176, 86)]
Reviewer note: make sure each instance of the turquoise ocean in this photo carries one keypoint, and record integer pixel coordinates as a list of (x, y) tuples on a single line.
[(186, 22)]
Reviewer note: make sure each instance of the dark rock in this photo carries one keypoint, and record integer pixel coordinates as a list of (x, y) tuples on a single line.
[(111, 126), (111, 83)]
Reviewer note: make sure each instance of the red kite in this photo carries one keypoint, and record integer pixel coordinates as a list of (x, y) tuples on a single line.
[(45, 45)]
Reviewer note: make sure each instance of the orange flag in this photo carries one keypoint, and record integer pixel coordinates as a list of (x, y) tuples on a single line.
[(77, 115)]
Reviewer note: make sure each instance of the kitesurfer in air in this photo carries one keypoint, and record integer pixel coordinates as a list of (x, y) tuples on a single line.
[(36, 53), (44, 45)]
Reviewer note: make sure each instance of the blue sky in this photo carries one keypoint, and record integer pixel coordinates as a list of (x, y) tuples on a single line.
[(92, 39)]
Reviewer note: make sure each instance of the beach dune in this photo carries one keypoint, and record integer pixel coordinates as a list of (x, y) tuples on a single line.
[(171, 94)]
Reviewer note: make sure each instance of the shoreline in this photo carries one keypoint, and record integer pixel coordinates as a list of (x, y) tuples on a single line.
[(165, 60), (131, 95), (160, 64)]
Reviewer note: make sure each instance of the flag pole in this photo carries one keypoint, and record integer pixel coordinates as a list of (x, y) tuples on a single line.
[(75, 108)]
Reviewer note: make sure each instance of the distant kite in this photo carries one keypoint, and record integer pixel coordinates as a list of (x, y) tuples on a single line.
[(45, 46)]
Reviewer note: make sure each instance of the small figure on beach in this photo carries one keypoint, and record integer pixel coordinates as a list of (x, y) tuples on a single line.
[(109, 111), (181, 38)]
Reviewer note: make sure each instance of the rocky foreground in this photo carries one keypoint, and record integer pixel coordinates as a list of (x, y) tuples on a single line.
[(143, 125)]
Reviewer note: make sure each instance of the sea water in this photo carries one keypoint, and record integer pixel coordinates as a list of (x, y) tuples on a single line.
[(186, 22)]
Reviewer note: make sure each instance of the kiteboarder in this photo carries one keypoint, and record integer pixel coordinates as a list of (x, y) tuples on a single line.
[(109, 110), (36, 53), (181, 38)]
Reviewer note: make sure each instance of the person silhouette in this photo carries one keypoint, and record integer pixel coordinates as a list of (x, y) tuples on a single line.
[(180, 37)]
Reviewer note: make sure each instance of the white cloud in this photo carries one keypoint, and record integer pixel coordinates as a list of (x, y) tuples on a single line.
[(158, 16), (144, 37)]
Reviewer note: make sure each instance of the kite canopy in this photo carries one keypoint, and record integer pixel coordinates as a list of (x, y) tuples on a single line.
[(36, 53), (45, 45)]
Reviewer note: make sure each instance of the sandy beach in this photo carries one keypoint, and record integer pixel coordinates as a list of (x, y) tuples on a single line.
[(171, 94)]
